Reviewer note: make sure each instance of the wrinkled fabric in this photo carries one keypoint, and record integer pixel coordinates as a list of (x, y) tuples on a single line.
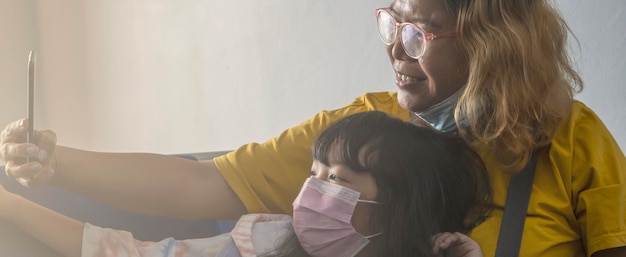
[(253, 233), (106, 242)]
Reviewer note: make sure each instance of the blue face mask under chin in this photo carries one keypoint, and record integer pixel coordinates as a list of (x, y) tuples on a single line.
[(441, 115)]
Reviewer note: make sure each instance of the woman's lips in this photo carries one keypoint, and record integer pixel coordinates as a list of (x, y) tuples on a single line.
[(403, 80)]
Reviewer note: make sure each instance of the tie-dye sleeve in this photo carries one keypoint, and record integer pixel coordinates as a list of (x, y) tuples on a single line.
[(106, 242)]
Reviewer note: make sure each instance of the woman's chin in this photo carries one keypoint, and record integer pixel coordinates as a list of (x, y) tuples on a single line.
[(408, 102)]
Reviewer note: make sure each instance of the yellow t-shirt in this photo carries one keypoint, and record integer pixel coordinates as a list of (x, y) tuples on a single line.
[(578, 201)]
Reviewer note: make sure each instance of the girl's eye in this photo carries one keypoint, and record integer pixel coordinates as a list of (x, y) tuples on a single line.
[(332, 177), (313, 173)]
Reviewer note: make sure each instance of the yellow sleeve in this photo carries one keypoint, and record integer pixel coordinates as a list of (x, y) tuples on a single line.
[(598, 183), (268, 176)]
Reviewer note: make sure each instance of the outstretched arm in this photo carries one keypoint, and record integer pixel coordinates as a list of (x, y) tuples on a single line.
[(73, 238), (61, 233), (148, 183), (153, 184)]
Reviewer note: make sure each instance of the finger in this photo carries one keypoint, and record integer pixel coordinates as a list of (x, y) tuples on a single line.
[(447, 240), (26, 170), (437, 239), (14, 131), (46, 140), (435, 249), (13, 151), (35, 176), (25, 182), (42, 177), (4, 152)]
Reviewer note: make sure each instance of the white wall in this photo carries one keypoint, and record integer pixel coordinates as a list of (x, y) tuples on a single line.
[(203, 75), (17, 36), (600, 27)]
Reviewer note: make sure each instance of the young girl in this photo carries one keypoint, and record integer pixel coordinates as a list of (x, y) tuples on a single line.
[(379, 186)]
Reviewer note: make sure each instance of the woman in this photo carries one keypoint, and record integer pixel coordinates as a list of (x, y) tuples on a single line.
[(378, 187), (495, 72)]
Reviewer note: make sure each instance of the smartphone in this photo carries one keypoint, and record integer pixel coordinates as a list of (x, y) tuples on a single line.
[(31, 97), (30, 102)]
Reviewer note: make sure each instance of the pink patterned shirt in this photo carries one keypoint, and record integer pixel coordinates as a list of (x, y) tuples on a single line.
[(253, 234)]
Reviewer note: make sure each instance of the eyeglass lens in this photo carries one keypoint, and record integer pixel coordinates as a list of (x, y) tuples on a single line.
[(386, 27), (412, 41), (411, 37)]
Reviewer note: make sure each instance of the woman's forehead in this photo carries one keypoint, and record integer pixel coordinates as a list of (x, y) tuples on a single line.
[(422, 11)]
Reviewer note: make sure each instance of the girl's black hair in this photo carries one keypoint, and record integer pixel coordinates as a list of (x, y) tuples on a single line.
[(427, 182)]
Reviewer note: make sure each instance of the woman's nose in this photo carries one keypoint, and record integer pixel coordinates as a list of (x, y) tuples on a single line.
[(397, 51)]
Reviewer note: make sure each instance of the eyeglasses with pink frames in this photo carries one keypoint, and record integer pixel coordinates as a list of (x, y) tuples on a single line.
[(413, 38)]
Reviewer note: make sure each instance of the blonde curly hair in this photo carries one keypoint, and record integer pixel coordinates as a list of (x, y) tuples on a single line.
[(521, 79)]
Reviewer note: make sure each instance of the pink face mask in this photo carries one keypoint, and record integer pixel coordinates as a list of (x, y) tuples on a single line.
[(322, 215)]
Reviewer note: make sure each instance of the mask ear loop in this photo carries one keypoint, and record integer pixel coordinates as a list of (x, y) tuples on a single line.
[(374, 202), (374, 235)]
